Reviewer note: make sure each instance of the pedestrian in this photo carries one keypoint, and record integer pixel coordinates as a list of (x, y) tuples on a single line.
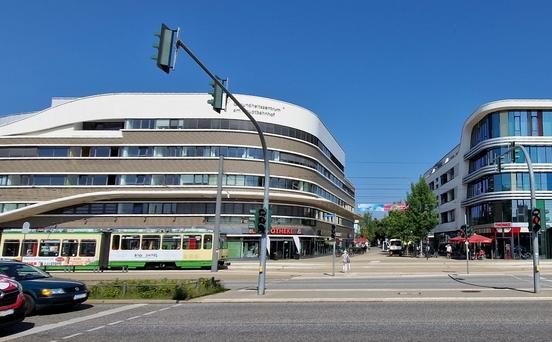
[(346, 262), (428, 249), (449, 251)]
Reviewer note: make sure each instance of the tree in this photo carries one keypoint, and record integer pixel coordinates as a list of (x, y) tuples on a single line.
[(421, 211), (370, 228), (398, 226)]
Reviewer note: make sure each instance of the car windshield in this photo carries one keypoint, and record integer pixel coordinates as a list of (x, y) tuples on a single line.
[(23, 272)]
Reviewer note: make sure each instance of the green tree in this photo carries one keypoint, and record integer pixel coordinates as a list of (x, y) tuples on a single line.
[(421, 210), (398, 226), (369, 227)]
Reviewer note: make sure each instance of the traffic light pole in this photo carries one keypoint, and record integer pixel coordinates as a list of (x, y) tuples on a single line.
[(263, 249), (216, 237), (534, 234), (333, 259)]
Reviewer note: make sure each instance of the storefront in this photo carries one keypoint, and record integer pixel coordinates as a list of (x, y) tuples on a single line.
[(283, 243)]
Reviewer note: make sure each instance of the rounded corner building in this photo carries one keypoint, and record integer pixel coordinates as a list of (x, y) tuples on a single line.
[(146, 161), (496, 203)]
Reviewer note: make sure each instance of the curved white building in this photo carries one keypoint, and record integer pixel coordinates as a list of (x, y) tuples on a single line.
[(496, 203), (151, 161)]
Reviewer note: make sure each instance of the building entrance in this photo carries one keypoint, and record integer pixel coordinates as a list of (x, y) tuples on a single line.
[(283, 248)]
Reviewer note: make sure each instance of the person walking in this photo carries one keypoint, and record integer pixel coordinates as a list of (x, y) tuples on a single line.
[(449, 251), (346, 262)]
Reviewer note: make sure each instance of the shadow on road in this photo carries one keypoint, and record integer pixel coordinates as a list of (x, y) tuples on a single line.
[(462, 281), (63, 309), (16, 328)]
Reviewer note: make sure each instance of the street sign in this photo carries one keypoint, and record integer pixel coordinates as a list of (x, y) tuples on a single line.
[(26, 228)]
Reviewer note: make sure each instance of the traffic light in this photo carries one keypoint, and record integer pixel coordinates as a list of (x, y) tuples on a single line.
[(462, 231), (261, 220), (514, 155), (536, 220), (332, 235), (219, 97), (165, 48), (252, 219), (499, 166)]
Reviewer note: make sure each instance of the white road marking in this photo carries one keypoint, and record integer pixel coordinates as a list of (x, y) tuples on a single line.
[(176, 305), (66, 337), (149, 313), (70, 321), (96, 328), (113, 323), (133, 317), (378, 300), (388, 290), (163, 309)]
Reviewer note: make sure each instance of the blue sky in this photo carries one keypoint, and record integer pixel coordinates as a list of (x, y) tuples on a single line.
[(393, 80)]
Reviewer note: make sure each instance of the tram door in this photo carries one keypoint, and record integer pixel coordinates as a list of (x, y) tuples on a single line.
[(105, 245)]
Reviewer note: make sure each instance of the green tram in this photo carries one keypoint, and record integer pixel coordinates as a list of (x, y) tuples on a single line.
[(89, 249)]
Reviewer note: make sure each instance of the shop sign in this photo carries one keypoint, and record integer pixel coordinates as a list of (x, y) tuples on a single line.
[(286, 231)]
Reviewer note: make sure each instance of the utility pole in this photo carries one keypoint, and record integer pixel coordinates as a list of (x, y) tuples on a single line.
[(167, 50)]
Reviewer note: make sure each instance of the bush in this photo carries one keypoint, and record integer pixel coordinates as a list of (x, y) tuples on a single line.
[(155, 289)]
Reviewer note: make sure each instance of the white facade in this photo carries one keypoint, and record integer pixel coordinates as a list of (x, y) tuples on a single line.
[(60, 119)]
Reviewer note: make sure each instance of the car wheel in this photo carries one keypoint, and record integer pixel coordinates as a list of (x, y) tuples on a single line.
[(30, 305)]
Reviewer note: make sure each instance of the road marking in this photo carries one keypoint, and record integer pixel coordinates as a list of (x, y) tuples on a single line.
[(96, 328), (149, 313), (176, 305), (386, 290), (378, 300), (133, 317), (163, 309), (66, 337), (113, 323), (70, 321)]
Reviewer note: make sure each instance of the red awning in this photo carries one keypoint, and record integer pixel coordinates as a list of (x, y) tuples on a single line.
[(456, 239), (476, 238)]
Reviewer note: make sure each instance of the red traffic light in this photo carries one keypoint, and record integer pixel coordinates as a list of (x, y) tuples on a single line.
[(536, 220)]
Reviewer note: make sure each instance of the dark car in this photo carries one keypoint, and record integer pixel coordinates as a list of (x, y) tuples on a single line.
[(12, 309), (41, 290)]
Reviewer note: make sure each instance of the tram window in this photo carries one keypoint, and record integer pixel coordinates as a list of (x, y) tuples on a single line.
[(150, 242), (191, 242), (130, 242), (30, 247), (115, 242), (11, 248), (207, 241), (69, 248), (88, 248), (171, 242), (49, 248)]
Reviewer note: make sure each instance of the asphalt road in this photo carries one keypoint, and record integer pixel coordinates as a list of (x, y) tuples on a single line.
[(430, 282), (492, 321)]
